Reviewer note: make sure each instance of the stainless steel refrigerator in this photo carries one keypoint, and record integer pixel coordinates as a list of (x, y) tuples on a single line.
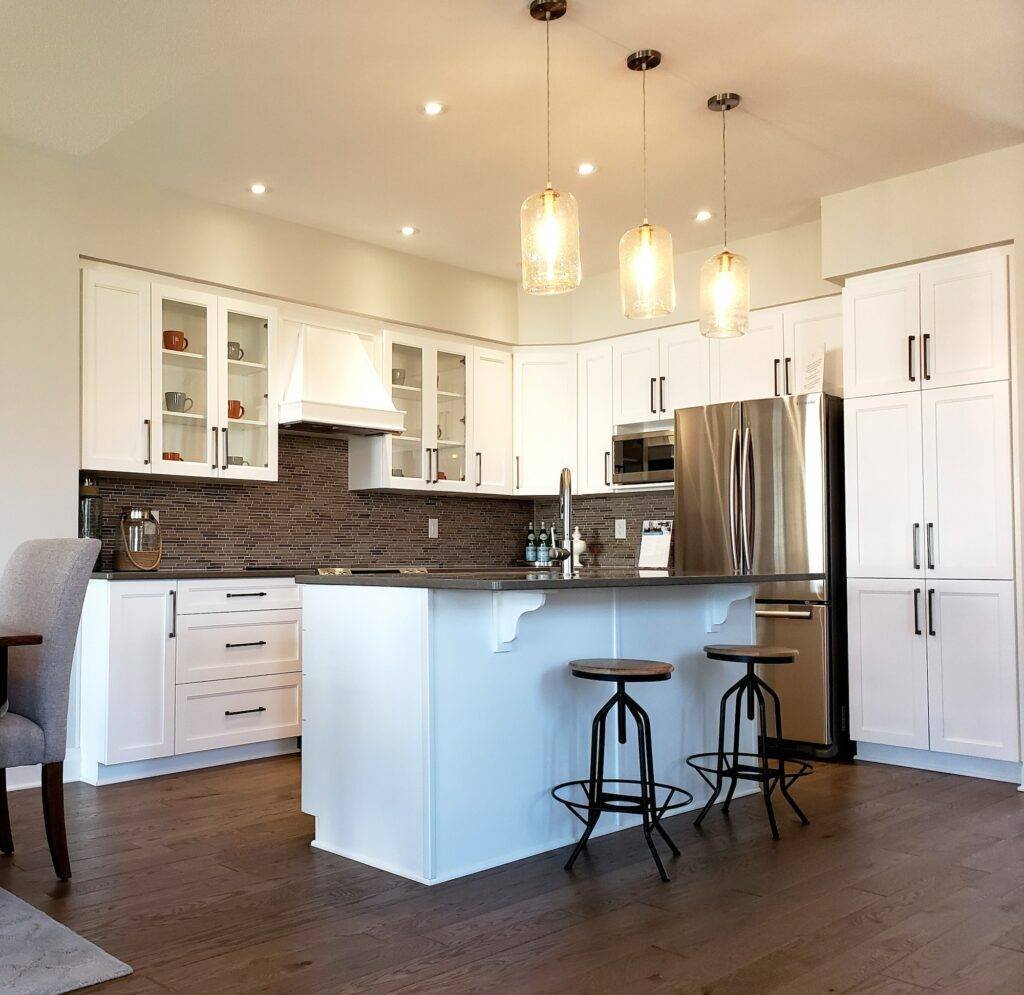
[(759, 490)]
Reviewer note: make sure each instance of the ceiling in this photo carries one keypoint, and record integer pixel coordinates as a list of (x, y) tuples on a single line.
[(320, 101)]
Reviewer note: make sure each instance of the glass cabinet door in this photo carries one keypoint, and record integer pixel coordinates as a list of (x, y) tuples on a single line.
[(409, 451), (247, 418), (184, 381), (452, 394)]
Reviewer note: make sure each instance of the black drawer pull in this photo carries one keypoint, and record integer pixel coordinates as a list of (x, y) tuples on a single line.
[(247, 711), (234, 646), (254, 594)]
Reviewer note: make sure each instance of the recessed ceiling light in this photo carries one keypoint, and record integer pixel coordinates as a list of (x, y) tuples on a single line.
[(432, 108), (408, 230), (258, 188), (703, 216), (586, 169)]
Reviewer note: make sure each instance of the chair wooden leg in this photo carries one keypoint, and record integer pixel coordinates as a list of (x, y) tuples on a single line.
[(6, 840), (53, 818)]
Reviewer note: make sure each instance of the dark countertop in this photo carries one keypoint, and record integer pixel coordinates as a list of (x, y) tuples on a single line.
[(532, 580), (172, 574)]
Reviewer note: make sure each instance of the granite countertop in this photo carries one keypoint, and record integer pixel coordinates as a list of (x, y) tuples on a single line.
[(531, 580), (185, 574)]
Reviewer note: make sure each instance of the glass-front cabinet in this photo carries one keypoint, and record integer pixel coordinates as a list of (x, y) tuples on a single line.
[(431, 383)]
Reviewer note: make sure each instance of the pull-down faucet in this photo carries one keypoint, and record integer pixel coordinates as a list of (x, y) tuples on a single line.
[(564, 554)]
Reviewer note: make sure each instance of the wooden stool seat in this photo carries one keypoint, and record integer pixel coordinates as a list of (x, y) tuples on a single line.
[(611, 669), (752, 654)]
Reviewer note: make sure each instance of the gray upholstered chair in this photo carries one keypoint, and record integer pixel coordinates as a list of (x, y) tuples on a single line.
[(42, 591)]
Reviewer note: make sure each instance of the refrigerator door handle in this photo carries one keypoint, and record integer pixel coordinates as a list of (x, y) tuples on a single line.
[(806, 615), (746, 499), (734, 460)]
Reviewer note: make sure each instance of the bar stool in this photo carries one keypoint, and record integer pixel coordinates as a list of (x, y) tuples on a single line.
[(597, 798), (736, 766)]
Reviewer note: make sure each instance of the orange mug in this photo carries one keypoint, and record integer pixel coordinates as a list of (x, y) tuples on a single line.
[(236, 409), (173, 457), (175, 340)]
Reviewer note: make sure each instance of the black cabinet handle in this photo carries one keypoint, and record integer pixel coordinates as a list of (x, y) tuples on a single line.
[(233, 646), (661, 393), (654, 410), (607, 460), (786, 374), (227, 460), (479, 469), (917, 545), (924, 350), (910, 357), (917, 611), (216, 446), (174, 615), (930, 545), (252, 594), (775, 376), (517, 473), (931, 611), (149, 441), (246, 711)]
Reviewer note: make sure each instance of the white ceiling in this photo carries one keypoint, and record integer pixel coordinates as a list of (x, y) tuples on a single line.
[(319, 99)]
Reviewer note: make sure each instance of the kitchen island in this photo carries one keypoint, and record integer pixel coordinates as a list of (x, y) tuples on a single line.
[(438, 708)]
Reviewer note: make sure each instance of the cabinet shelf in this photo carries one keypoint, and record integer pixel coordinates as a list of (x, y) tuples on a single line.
[(249, 422), (188, 416), (451, 393), (407, 438), (244, 368), (184, 358), (406, 390), (450, 443)]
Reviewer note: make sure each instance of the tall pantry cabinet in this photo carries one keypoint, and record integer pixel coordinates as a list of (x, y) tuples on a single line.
[(929, 505)]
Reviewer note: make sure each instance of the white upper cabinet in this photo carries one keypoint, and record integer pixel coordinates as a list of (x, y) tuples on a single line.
[(964, 320), (685, 368), (881, 333), (968, 494), (596, 419), (884, 486), (544, 418), (888, 662), (750, 366), (972, 668), (116, 372), (492, 424), (637, 368), (811, 327)]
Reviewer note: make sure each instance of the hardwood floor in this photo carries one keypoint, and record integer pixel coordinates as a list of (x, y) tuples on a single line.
[(904, 881)]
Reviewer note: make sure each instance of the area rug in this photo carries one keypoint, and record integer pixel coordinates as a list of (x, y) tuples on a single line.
[(39, 956)]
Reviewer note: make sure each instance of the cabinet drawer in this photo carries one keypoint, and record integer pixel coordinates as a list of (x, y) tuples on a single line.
[(214, 714), (243, 594), (220, 645)]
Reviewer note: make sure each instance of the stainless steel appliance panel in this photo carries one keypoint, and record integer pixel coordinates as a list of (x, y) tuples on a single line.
[(803, 687), (707, 489), (783, 492)]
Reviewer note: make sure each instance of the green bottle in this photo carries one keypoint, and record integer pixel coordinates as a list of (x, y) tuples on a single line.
[(531, 545)]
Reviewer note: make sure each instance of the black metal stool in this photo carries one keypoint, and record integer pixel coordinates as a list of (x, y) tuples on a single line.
[(597, 798), (769, 771)]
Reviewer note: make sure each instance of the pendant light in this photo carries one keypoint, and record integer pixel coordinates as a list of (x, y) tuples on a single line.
[(646, 271), (725, 278), (549, 221)]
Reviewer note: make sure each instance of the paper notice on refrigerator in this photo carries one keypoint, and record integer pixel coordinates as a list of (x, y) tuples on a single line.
[(814, 373), (655, 544)]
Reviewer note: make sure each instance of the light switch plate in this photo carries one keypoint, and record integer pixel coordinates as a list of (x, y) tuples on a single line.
[(431, 528), (620, 528)]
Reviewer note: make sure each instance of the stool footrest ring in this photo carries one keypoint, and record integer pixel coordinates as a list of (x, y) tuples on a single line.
[(707, 765), (674, 798)]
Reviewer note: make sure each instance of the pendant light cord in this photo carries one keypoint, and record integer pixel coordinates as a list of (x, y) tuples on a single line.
[(643, 117), (547, 57), (725, 205)]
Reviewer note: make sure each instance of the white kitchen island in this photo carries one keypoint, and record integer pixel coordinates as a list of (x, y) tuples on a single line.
[(438, 709)]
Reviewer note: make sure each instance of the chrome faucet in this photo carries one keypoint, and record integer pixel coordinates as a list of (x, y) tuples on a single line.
[(564, 553)]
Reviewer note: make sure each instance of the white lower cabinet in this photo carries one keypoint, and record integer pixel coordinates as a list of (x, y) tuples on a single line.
[(157, 664), (933, 665)]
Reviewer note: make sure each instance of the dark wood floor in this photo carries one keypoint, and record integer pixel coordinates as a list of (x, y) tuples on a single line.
[(905, 881)]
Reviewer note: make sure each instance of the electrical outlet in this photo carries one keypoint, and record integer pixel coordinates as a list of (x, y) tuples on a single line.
[(620, 528), (431, 528)]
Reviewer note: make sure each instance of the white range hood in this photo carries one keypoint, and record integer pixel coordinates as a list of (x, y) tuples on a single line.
[(335, 389)]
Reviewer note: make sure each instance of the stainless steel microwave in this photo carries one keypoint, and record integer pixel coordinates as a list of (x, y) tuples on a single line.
[(644, 458)]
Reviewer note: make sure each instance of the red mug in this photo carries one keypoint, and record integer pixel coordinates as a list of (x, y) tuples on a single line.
[(175, 340), (173, 457), (236, 409)]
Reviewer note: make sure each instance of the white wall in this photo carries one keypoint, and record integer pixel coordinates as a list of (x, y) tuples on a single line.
[(785, 266)]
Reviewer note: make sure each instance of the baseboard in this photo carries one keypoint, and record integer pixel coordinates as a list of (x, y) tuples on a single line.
[(945, 763), (102, 774), (19, 778)]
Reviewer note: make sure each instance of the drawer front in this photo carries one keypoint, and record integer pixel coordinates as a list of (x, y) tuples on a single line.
[(215, 714), (258, 594), (223, 645)]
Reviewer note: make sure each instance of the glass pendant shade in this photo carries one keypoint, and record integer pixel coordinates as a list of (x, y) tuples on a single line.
[(725, 296), (550, 230), (646, 272)]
